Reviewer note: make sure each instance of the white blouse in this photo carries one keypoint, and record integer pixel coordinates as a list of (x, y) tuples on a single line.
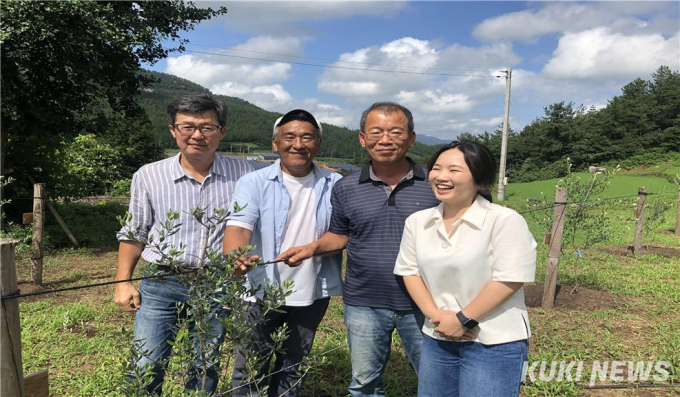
[(488, 243)]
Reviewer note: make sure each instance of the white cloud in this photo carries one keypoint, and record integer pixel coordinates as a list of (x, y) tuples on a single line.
[(435, 101), (469, 68), (224, 65), (329, 113), (350, 88), (242, 78), (268, 44), (284, 17), (600, 54), (368, 76), (211, 71), (270, 97), (625, 17)]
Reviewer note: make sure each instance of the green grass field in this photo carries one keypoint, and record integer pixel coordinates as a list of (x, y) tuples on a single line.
[(612, 305), (622, 185)]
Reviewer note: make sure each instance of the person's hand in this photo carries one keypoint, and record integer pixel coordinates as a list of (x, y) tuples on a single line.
[(470, 334), (447, 324), (242, 265), (295, 255), (127, 297)]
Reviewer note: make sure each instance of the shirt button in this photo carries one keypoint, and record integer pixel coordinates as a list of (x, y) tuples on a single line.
[(445, 245)]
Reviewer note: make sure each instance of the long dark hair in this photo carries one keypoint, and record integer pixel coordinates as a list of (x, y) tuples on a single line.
[(479, 160)]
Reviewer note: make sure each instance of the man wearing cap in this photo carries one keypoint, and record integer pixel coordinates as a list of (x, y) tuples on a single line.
[(286, 204)]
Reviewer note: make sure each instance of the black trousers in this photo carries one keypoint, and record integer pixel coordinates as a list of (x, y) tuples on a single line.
[(284, 379)]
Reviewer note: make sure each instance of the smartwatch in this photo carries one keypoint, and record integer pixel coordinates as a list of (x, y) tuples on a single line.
[(467, 322)]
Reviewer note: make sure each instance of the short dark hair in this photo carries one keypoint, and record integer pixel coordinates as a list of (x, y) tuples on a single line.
[(479, 160), (198, 103), (387, 108)]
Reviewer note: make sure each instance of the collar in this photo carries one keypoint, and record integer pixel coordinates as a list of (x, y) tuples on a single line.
[(218, 167), (176, 168), (475, 215), (415, 169), (275, 172)]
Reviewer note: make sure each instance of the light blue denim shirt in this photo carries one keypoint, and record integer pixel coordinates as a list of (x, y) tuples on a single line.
[(266, 202)]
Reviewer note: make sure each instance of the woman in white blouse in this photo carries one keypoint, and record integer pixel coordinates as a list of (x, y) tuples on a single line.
[(464, 263)]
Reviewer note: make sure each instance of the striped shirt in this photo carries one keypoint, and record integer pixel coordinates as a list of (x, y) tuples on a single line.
[(164, 186), (374, 222)]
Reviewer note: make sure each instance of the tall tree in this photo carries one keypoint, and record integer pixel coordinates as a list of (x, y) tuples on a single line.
[(71, 67)]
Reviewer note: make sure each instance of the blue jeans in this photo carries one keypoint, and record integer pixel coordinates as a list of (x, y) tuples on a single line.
[(470, 369), (369, 332), (155, 328)]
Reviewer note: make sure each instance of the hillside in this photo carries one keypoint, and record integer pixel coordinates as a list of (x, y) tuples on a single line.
[(249, 124)]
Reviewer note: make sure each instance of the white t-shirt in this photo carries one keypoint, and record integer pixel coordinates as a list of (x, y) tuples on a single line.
[(488, 243), (300, 229)]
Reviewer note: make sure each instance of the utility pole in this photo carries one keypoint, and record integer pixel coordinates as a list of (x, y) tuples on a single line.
[(504, 140)]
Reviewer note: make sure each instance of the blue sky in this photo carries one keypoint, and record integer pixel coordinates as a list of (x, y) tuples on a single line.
[(449, 53)]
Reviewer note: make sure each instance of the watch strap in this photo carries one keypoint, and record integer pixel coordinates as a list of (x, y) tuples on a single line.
[(465, 321)]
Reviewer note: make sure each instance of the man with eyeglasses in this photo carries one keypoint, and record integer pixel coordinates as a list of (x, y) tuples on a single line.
[(195, 177), (369, 211), (288, 204)]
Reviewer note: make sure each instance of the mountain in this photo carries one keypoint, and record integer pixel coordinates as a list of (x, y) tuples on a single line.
[(249, 124), (430, 140)]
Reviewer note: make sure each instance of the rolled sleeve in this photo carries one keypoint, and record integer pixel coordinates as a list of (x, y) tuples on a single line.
[(406, 264), (514, 250), (245, 195), (141, 210)]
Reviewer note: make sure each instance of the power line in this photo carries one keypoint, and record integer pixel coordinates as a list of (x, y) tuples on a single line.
[(333, 60), (338, 67)]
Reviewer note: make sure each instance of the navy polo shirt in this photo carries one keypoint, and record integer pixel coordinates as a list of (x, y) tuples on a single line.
[(374, 222)]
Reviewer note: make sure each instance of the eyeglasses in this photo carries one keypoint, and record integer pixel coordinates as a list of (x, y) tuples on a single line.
[(375, 136), (188, 129)]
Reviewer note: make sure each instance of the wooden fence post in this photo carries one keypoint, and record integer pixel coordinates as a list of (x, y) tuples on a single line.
[(11, 370), (640, 217), (37, 384), (38, 230), (677, 214), (58, 218), (555, 248)]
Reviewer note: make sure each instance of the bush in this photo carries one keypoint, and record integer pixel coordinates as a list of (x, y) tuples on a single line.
[(121, 188), (93, 225), (650, 157), (23, 234), (530, 171), (91, 168)]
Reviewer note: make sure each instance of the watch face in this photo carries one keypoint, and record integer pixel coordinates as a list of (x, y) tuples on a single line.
[(470, 323)]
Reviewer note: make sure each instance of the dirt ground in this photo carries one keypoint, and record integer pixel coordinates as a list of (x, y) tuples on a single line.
[(646, 250), (581, 298)]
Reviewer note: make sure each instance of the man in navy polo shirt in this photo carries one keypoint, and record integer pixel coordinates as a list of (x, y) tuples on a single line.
[(369, 211)]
